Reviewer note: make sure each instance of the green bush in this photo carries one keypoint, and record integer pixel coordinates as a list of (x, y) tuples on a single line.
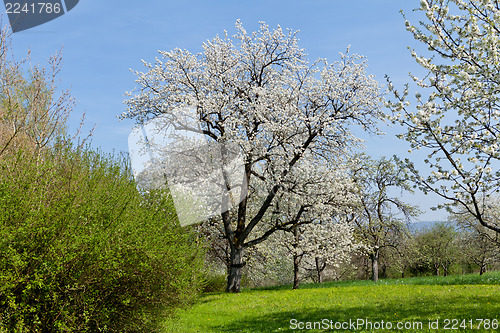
[(215, 283), (83, 251)]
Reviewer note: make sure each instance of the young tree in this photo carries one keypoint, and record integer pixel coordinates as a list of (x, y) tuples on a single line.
[(381, 219), (329, 243), (262, 95), (32, 113), (457, 121), (480, 250), (404, 257)]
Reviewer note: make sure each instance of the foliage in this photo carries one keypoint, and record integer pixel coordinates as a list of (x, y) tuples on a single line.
[(33, 113), (457, 121), (438, 247), (83, 251), (260, 93), (215, 283)]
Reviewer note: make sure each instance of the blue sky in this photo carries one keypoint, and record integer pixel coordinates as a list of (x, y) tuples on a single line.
[(103, 39)]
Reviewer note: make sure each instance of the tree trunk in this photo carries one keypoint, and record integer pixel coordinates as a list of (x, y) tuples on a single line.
[(482, 270), (296, 257), (367, 268), (296, 263), (320, 267), (436, 266), (384, 271), (234, 276), (374, 257)]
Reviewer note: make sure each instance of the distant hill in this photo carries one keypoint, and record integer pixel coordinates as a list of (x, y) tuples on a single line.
[(423, 224)]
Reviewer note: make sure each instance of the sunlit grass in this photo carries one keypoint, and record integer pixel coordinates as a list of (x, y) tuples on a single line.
[(419, 300)]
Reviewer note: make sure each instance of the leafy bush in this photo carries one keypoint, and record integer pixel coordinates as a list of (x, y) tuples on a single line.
[(215, 283), (84, 251)]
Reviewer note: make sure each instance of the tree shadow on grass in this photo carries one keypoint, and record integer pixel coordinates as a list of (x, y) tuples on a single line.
[(417, 310)]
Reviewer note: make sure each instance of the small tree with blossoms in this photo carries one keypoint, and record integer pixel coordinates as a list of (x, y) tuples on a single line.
[(260, 92), (457, 120), (321, 190), (328, 243), (381, 218)]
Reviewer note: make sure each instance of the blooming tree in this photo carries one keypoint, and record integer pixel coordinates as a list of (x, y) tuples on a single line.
[(303, 247), (330, 243), (457, 121), (306, 213), (381, 218), (480, 244), (260, 92)]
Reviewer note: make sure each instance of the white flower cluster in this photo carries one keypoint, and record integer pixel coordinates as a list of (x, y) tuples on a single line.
[(460, 118), (288, 117)]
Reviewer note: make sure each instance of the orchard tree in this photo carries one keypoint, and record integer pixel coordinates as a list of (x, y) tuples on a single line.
[(309, 246), (404, 257), (480, 250), (259, 92), (480, 244), (381, 218), (457, 120), (306, 213), (329, 243), (438, 247)]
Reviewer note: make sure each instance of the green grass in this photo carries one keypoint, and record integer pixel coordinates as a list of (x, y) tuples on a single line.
[(419, 300)]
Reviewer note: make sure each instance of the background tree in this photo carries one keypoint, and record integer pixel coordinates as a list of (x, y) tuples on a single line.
[(403, 258), (479, 244), (326, 244), (261, 94), (32, 112), (438, 247), (457, 120), (381, 218)]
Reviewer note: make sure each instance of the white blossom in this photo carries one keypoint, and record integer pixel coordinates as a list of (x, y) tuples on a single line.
[(289, 118), (463, 106)]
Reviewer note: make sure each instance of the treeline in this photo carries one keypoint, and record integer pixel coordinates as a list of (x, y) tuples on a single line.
[(81, 249), (439, 249)]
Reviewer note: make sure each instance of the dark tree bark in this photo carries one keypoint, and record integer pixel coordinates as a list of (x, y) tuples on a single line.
[(482, 269), (320, 267), (296, 258), (234, 276), (296, 263)]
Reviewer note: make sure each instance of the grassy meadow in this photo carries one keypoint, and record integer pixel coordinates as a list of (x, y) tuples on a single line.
[(432, 304)]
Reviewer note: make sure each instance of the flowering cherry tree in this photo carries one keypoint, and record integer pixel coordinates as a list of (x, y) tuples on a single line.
[(381, 219), (260, 92), (329, 243), (306, 215), (457, 120)]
